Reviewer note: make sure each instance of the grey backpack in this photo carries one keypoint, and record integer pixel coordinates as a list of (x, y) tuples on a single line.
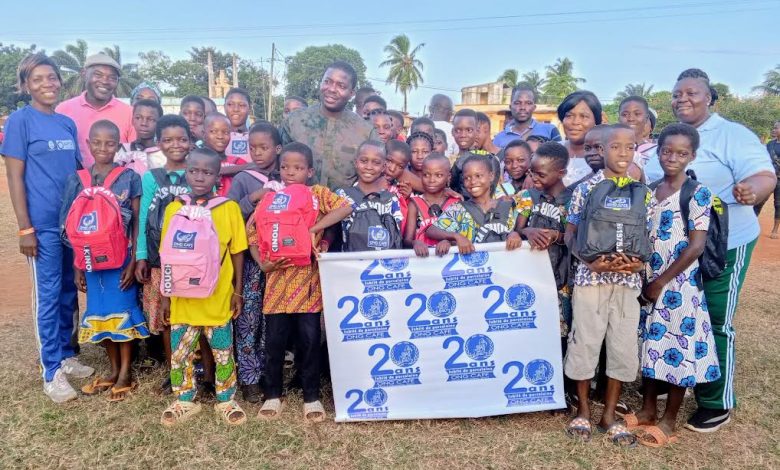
[(370, 230), (491, 225), (614, 220)]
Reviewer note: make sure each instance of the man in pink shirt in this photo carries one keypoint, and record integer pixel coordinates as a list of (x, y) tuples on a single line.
[(101, 77)]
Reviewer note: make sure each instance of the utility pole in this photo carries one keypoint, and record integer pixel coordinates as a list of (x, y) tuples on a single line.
[(270, 100), (235, 71), (210, 72)]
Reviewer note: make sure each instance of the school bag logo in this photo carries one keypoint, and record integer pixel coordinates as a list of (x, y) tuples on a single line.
[(467, 270), (440, 320), (373, 308), (614, 220), (283, 220), (373, 226), (190, 251), (538, 374), (94, 225), (478, 348), (376, 400), (404, 355), (388, 274), (166, 192), (239, 147), (519, 316)]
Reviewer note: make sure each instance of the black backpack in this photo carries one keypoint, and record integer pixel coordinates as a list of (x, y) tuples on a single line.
[(491, 225), (369, 229), (560, 259), (166, 192), (614, 220), (712, 261)]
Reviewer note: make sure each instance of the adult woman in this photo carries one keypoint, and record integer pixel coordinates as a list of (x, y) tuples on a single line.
[(145, 91), (734, 165), (41, 151), (579, 112)]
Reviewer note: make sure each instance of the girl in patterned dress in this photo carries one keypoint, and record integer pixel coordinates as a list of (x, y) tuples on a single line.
[(678, 346)]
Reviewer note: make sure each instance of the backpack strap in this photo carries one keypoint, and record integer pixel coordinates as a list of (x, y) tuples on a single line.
[(113, 175), (686, 193), (536, 196), (501, 210), (355, 194), (257, 175), (86, 178), (215, 202), (422, 206), (185, 198)]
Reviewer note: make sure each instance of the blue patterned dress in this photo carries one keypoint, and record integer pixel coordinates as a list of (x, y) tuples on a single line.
[(678, 346)]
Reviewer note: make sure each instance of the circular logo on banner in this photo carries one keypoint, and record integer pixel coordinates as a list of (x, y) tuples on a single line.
[(520, 297), (441, 304), (375, 397), (404, 354), (539, 372), (475, 259), (479, 347), (373, 307), (394, 264)]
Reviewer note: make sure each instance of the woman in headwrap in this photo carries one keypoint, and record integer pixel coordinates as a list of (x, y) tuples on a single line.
[(145, 91)]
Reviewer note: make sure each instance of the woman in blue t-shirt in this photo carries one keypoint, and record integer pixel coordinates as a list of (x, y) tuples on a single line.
[(41, 151)]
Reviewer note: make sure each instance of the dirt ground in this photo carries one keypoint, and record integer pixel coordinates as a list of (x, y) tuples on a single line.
[(89, 432)]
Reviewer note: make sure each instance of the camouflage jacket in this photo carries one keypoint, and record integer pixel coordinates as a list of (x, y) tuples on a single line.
[(333, 141)]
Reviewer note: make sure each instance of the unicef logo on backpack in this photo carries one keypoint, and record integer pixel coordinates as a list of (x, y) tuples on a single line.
[(374, 308), (404, 355), (239, 147), (476, 274), (478, 348), (538, 372), (378, 237), (440, 305), (183, 240), (520, 298), (386, 275), (280, 202), (375, 398), (88, 223)]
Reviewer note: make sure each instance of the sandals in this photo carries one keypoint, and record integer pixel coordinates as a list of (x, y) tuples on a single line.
[(653, 436), (619, 435), (178, 412), (622, 409), (231, 413), (314, 412), (271, 409), (98, 385), (118, 394), (579, 429)]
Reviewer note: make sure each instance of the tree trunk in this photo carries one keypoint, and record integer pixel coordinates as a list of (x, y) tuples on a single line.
[(405, 101)]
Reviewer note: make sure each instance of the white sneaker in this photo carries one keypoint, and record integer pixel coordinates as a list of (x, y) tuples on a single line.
[(72, 366), (59, 390)]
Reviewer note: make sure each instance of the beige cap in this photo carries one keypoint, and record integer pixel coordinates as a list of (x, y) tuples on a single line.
[(102, 59)]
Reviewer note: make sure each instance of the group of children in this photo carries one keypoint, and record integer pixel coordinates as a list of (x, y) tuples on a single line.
[(203, 185)]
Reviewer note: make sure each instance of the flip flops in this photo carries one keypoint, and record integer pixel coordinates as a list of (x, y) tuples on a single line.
[(118, 394), (314, 412), (653, 436), (98, 385), (579, 429), (619, 435)]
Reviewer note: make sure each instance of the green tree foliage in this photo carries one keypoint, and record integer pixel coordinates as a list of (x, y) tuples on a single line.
[(661, 103), (405, 68), (635, 89), (534, 81), (10, 56), (255, 81), (177, 78), (130, 77), (305, 69), (71, 60), (771, 83), (757, 113), (560, 80), (510, 77)]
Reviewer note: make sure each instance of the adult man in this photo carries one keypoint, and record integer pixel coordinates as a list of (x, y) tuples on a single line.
[(331, 131), (101, 76), (523, 125), (440, 113)]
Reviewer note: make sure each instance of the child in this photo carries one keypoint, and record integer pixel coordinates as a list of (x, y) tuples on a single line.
[(143, 154), (217, 138), (440, 141), (113, 317), (427, 207), (542, 221), (464, 126), (534, 141), (293, 298), (422, 124), (193, 109), (210, 316), (397, 171), (373, 104), (605, 304), (160, 186), (237, 106), (398, 125), (676, 306), (383, 124), (517, 161), (247, 190), (483, 139), (421, 146), (471, 221), (368, 197)]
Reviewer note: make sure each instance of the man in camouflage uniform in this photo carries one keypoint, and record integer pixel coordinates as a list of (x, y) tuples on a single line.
[(331, 131)]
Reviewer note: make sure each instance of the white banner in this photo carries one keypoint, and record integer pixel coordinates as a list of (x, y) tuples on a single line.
[(452, 337)]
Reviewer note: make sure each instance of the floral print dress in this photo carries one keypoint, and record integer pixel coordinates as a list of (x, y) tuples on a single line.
[(677, 341)]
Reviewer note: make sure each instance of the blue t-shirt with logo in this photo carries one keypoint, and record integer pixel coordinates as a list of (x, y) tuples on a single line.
[(46, 143)]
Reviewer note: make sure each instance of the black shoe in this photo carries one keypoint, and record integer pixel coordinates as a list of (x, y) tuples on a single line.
[(251, 393), (708, 420)]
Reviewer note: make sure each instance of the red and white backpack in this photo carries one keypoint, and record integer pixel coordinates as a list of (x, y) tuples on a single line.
[(427, 216), (94, 225), (283, 220)]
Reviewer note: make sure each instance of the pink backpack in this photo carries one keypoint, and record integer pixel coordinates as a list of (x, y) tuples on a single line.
[(189, 253)]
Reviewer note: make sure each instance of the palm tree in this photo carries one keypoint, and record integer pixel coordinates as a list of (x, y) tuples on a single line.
[(71, 61), (510, 77), (534, 81), (635, 89), (771, 83), (560, 79), (129, 77), (405, 68)]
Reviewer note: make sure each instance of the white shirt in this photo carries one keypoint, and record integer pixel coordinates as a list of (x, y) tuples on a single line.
[(452, 147)]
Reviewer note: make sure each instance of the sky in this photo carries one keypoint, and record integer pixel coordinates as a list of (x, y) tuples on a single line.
[(466, 42)]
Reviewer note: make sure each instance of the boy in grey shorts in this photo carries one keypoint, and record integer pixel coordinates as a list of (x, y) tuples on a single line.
[(605, 306)]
